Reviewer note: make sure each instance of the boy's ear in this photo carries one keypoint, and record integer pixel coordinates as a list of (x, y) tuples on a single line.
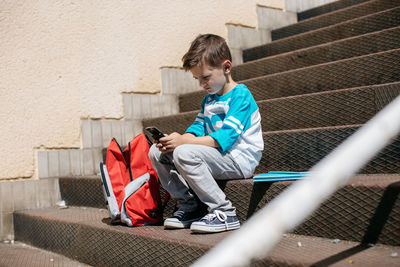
[(227, 66)]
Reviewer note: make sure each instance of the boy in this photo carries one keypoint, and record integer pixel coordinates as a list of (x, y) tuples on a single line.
[(224, 142)]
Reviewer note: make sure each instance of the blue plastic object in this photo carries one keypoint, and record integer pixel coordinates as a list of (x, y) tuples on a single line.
[(279, 176)]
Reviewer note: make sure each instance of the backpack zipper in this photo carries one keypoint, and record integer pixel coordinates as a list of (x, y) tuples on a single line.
[(127, 163)]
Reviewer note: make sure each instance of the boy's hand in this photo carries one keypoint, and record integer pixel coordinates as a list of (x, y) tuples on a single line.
[(170, 142)]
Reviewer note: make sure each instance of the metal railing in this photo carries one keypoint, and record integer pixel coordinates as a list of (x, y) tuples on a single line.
[(258, 236)]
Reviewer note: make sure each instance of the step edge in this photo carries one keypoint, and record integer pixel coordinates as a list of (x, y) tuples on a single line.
[(324, 28), (285, 54), (323, 64)]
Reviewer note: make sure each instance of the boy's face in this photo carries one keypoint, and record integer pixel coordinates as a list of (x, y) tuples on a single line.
[(212, 79)]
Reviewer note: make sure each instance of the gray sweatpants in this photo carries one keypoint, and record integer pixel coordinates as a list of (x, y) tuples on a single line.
[(195, 167)]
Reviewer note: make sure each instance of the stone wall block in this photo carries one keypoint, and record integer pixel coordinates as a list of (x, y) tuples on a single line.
[(127, 101), (18, 190), (128, 131), (65, 163), (86, 128), (146, 106), (270, 19), (237, 56), (168, 105), (87, 162), (54, 191), (29, 193), (245, 37), (301, 5), (174, 104), (54, 169), (106, 132), (43, 164), (6, 197), (76, 159), (2, 233), (6, 226), (176, 81), (116, 130), (137, 112), (156, 105), (137, 127), (97, 158), (44, 193), (97, 136)]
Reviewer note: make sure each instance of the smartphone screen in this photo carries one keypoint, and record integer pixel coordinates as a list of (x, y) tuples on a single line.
[(155, 133)]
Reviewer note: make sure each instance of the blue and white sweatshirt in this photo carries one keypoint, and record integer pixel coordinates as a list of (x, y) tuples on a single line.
[(234, 121)]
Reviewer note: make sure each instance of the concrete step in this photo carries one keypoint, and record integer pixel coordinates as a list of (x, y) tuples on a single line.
[(20, 254), (378, 68), (299, 150), (327, 8), (295, 150), (342, 49), (332, 18), (365, 210), (330, 108), (366, 24), (86, 234), (74, 191)]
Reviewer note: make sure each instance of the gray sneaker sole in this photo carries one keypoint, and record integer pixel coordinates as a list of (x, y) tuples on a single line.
[(173, 223), (200, 227)]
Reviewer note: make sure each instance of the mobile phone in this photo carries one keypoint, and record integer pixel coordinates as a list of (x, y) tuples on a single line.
[(155, 133)]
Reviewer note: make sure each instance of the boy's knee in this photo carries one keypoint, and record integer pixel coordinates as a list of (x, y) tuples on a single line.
[(184, 154)]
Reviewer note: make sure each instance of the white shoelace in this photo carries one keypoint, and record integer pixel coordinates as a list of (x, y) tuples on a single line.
[(179, 213), (221, 216)]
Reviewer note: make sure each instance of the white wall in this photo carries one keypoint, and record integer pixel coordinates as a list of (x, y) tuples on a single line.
[(61, 61)]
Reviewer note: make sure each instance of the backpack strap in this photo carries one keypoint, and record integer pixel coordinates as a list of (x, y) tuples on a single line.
[(113, 208)]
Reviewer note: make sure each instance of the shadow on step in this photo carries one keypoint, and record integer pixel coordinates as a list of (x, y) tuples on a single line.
[(342, 255), (381, 216), (257, 194), (374, 229)]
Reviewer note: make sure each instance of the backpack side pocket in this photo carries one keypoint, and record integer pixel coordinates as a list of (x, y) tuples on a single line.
[(130, 189)]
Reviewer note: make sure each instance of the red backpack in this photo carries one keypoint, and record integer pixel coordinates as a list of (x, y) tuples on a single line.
[(131, 184)]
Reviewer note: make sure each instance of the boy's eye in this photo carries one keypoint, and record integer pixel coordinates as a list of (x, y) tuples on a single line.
[(203, 77)]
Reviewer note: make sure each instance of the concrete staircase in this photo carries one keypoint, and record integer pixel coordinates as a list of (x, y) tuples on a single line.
[(316, 83)]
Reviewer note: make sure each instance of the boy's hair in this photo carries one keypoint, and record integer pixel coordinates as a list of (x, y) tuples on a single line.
[(206, 48)]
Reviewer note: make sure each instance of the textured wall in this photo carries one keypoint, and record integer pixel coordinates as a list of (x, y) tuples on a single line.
[(61, 61)]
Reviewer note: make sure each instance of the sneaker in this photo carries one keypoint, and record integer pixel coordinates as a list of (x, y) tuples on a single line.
[(215, 222), (183, 219)]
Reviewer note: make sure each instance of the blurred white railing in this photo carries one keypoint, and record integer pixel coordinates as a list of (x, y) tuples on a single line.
[(258, 236)]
